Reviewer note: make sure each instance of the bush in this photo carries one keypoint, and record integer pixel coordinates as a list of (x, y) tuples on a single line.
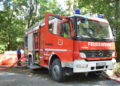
[(2, 48)]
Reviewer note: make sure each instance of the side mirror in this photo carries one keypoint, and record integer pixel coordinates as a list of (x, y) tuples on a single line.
[(83, 20), (114, 31)]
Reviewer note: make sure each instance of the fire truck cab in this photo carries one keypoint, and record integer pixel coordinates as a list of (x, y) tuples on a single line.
[(73, 44)]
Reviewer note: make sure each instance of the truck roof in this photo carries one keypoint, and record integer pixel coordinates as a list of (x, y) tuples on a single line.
[(35, 27), (91, 18), (87, 16)]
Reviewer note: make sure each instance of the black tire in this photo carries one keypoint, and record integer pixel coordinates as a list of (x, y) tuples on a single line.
[(29, 59), (56, 71)]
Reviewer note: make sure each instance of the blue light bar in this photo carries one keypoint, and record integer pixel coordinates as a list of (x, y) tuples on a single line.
[(77, 11), (100, 15)]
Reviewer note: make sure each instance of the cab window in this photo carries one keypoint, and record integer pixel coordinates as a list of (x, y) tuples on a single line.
[(60, 28), (65, 29)]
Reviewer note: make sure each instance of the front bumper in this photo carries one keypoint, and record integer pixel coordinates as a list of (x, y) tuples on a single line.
[(80, 66)]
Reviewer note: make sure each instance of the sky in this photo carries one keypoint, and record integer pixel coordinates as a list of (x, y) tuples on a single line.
[(62, 3), (1, 6)]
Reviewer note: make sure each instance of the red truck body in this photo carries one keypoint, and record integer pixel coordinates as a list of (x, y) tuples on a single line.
[(47, 45)]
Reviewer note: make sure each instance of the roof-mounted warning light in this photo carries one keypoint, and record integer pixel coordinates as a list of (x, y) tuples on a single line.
[(77, 11), (100, 15)]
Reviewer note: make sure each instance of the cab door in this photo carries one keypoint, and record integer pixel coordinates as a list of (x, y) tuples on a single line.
[(58, 39)]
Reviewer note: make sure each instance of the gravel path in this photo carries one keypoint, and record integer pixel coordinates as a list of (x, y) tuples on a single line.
[(26, 77)]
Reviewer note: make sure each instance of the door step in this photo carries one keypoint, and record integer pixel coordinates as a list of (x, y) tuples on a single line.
[(34, 66)]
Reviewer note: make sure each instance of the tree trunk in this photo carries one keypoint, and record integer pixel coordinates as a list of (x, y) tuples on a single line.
[(116, 12), (70, 7)]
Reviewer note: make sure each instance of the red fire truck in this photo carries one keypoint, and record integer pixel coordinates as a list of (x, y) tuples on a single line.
[(73, 44)]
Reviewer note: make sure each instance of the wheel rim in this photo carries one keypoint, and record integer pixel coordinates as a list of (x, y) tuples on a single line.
[(56, 71)]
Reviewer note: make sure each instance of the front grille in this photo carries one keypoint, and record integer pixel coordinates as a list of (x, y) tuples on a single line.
[(97, 53), (99, 67)]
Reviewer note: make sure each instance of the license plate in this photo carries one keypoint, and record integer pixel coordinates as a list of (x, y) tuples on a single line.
[(101, 64)]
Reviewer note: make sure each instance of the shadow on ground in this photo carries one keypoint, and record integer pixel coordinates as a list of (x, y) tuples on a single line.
[(45, 73)]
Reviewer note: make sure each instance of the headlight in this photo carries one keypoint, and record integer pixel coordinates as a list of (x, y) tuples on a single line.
[(114, 60), (81, 65), (113, 54), (82, 55)]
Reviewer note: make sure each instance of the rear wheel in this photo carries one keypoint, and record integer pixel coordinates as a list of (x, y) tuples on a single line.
[(56, 71), (29, 59)]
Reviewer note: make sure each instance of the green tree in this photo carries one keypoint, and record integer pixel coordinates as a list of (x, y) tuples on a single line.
[(12, 27), (19, 15)]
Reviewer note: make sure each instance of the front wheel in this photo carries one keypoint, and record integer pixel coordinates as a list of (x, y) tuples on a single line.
[(56, 71)]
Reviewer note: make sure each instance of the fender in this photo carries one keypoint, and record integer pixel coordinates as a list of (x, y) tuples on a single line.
[(51, 56), (63, 64)]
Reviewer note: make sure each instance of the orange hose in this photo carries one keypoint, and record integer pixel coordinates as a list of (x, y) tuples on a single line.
[(117, 74), (107, 77)]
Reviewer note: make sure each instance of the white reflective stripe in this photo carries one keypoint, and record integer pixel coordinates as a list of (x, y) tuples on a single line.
[(56, 50), (41, 49), (47, 54), (84, 47)]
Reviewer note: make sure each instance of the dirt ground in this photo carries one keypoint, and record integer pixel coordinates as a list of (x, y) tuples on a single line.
[(27, 77)]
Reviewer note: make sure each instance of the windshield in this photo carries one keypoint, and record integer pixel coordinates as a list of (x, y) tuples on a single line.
[(93, 29)]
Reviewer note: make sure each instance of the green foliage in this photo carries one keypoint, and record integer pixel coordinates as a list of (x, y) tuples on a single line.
[(2, 48), (19, 15), (11, 26), (36, 10)]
